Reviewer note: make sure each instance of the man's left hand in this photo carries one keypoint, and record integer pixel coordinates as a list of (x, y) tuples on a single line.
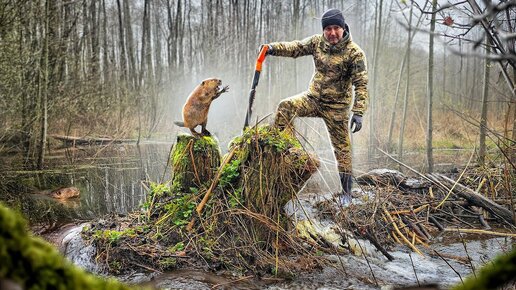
[(357, 121)]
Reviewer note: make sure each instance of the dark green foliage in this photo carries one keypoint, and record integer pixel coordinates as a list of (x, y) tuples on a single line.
[(35, 264), (494, 275)]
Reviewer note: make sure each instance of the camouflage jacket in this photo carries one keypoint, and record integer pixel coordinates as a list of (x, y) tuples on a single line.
[(337, 68)]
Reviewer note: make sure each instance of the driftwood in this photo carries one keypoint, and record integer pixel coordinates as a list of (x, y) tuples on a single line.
[(385, 177), (72, 140), (474, 198)]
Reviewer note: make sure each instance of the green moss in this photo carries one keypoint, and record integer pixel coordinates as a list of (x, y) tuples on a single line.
[(230, 173), (268, 135), (235, 198), (156, 191), (494, 275), (112, 236), (194, 161), (177, 247), (178, 211), (35, 264), (167, 263), (206, 143)]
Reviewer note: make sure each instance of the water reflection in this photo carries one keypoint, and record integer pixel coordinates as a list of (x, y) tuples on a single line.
[(110, 181)]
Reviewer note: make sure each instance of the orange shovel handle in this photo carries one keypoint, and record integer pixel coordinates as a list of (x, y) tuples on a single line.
[(261, 58)]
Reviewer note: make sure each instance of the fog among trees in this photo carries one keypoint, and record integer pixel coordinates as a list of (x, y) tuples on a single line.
[(123, 69)]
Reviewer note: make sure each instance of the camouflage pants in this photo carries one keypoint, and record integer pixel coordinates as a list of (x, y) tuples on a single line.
[(336, 120)]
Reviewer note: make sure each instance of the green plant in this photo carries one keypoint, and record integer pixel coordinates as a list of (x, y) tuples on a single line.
[(235, 197), (179, 210), (230, 173), (112, 236), (177, 247)]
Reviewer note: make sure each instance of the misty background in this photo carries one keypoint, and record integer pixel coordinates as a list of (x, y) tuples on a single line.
[(124, 69)]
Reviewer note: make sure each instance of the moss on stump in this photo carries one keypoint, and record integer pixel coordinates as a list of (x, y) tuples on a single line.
[(243, 224), (194, 161), (272, 168)]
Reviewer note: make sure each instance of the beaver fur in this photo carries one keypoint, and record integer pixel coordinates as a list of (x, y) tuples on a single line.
[(195, 110)]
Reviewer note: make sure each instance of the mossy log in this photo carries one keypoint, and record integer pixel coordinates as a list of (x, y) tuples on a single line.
[(194, 161), (32, 263)]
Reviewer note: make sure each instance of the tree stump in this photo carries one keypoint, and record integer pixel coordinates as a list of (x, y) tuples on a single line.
[(194, 161), (266, 169), (273, 168), (240, 225)]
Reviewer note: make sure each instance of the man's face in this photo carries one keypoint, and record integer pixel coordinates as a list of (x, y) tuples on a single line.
[(333, 33)]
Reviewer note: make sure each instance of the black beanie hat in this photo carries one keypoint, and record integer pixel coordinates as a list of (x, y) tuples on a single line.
[(332, 17)]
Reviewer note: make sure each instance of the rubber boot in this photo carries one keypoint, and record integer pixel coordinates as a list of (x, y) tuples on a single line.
[(346, 181)]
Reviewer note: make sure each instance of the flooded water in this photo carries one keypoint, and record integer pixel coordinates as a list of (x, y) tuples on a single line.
[(371, 271), (111, 180)]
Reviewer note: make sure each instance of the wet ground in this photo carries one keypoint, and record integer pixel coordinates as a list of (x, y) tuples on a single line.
[(111, 181), (371, 271)]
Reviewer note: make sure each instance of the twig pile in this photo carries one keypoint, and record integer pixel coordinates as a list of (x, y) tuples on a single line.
[(228, 217), (411, 211)]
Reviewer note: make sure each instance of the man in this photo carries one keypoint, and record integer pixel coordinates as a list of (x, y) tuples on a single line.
[(339, 64)]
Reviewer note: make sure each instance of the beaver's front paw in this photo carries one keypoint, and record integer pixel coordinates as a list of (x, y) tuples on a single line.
[(224, 89)]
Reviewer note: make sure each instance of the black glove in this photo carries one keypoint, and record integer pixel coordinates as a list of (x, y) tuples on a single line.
[(269, 49), (357, 121)]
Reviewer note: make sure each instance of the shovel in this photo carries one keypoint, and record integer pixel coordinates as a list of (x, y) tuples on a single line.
[(256, 78)]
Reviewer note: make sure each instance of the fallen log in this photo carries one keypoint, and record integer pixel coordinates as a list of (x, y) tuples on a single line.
[(474, 198), (477, 231), (72, 140)]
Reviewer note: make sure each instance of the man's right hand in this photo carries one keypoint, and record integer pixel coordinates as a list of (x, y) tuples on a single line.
[(269, 48), (356, 121)]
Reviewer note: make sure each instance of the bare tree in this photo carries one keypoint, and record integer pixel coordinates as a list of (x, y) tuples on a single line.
[(430, 91), (407, 90), (483, 115)]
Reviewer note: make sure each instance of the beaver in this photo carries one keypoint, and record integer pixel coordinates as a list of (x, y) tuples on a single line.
[(195, 110), (64, 193)]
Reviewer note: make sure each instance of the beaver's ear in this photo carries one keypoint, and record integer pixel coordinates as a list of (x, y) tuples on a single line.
[(202, 84)]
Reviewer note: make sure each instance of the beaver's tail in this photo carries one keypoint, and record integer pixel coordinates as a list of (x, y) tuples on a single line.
[(179, 123)]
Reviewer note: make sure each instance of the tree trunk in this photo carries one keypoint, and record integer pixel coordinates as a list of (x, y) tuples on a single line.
[(373, 142), (42, 91), (407, 87), (95, 50), (130, 44), (123, 55), (430, 92), (483, 114), (398, 84), (106, 64)]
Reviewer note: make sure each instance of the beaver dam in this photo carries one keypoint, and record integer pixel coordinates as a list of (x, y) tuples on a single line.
[(241, 214)]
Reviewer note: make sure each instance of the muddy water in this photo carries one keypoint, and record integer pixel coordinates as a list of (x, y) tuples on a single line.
[(110, 179)]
